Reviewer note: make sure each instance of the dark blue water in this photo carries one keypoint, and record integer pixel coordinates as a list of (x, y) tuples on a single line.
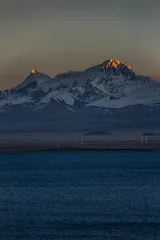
[(111, 196)]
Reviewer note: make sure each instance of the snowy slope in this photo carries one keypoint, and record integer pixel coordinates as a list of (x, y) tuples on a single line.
[(41, 80)]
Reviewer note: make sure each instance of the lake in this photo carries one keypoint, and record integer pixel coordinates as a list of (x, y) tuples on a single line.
[(81, 196)]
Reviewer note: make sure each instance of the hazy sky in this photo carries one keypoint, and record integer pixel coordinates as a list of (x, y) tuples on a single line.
[(54, 36)]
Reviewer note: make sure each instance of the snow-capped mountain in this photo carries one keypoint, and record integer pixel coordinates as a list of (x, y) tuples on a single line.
[(108, 88), (112, 84)]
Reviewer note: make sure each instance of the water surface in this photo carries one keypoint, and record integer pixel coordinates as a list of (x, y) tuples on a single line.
[(112, 196)]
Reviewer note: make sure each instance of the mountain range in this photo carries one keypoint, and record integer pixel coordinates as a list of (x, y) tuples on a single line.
[(109, 97)]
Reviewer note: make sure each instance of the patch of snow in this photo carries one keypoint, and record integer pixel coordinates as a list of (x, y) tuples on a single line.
[(123, 102), (66, 97), (58, 96), (15, 100), (20, 100), (71, 109), (50, 96)]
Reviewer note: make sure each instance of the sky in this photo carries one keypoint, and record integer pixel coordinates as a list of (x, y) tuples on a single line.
[(57, 36)]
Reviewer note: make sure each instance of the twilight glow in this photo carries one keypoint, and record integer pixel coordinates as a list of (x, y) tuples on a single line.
[(57, 36)]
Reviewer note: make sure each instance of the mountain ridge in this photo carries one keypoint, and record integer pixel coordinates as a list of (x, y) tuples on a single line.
[(107, 96), (107, 82)]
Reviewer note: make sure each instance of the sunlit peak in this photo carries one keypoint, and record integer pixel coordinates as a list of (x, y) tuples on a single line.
[(33, 71), (116, 63)]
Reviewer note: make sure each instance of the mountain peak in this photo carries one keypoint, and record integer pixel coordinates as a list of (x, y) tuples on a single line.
[(115, 64), (111, 64), (33, 71)]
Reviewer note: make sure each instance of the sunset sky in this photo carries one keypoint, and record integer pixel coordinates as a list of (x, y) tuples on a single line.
[(56, 36)]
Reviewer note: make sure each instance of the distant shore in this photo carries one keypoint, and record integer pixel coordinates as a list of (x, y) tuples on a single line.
[(80, 146)]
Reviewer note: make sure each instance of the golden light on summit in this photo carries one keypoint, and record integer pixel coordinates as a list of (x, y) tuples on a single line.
[(33, 71), (116, 63)]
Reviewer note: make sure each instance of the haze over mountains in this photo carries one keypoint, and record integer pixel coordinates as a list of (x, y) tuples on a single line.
[(106, 97)]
